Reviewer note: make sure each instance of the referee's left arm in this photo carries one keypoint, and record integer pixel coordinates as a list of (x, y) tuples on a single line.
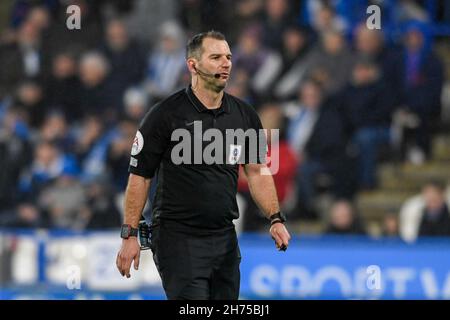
[(262, 189)]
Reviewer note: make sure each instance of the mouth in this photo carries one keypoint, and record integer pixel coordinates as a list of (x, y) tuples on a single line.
[(224, 75)]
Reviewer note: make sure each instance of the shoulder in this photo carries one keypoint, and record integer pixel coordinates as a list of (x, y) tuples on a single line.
[(244, 107), (172, 101), (161, 111), (166, 106), (247, 111)]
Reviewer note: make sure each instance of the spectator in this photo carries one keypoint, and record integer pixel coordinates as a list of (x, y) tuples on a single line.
[(166, 64), (276, 18), (294, 52), (76, 41), (146, 17), (118, 152), (330, 62), (390, 227), (64, 87), (86, 136), (23, 59), (55, 129), (23, 10), (245, 13), (65, 201), (125, 58), (48, 164), (316, 134), (344, 220), (370, 44), (15, 153), (436, 216), (102, 211), (40, 17), (91, 148), (26, 215), (422, 90), (324, 17), (30, 99), (367, 111), (97, 96), (136, 106), (199, 15), (258, 62), (412, 210)]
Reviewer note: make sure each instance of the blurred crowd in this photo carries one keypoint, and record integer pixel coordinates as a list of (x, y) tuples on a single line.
[(344, 97)]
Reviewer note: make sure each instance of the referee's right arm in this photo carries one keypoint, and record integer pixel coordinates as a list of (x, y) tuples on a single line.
[(136, 195), (149, 144)]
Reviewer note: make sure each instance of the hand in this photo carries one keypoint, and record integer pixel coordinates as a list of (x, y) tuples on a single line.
[(280, 235), (129, 251)]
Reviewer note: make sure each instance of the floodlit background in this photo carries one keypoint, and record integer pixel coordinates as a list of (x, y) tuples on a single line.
[(364, 151)]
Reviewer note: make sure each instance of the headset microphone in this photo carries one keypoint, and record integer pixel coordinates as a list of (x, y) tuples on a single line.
[(205, 74)]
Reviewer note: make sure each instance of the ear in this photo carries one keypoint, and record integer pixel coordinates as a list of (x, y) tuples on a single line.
[(191, 64)]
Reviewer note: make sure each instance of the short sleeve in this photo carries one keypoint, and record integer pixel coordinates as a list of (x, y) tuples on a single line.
[(150, 143)]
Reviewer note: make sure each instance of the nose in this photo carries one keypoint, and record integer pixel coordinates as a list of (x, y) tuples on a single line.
[(226, 64)]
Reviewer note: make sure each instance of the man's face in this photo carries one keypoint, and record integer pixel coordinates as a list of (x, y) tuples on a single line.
[(414, 40), (364, 74), (341, 215), (117, 36), (92, 72), (434, 198), (368, 41), (333, 43), (64, 66), (310, 96), (216, 59)]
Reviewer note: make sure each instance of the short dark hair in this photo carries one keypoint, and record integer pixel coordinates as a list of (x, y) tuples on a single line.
[(315, 82), (436, 184), (194, 46)]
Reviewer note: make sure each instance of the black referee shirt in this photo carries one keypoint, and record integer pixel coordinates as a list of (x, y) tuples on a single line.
[(195, 192)]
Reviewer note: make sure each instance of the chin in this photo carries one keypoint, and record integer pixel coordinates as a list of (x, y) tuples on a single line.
[(219, 86)]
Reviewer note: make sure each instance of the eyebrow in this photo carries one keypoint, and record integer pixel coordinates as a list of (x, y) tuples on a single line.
[(219, 54)]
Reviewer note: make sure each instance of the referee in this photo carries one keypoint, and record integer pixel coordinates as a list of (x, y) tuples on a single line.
[(193, 238)]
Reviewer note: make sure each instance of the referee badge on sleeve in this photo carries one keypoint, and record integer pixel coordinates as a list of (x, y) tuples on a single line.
[(138, 144), (133, 162), (235, 153)]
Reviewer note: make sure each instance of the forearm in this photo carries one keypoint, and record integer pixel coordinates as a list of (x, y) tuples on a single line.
[(262, 189), (135, 198)]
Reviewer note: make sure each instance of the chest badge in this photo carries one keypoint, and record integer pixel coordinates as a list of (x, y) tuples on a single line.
[(235, 153)]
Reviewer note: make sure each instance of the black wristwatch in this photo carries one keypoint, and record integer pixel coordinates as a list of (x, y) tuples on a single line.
[(127, 231), (278, 217)]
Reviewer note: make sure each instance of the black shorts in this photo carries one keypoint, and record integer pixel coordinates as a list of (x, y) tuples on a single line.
[(194, 266)]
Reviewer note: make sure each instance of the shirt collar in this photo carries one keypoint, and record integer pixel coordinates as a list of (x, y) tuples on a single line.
[(200, 107)]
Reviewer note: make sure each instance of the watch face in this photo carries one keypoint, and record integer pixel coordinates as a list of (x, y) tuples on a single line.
[(125, 231)]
